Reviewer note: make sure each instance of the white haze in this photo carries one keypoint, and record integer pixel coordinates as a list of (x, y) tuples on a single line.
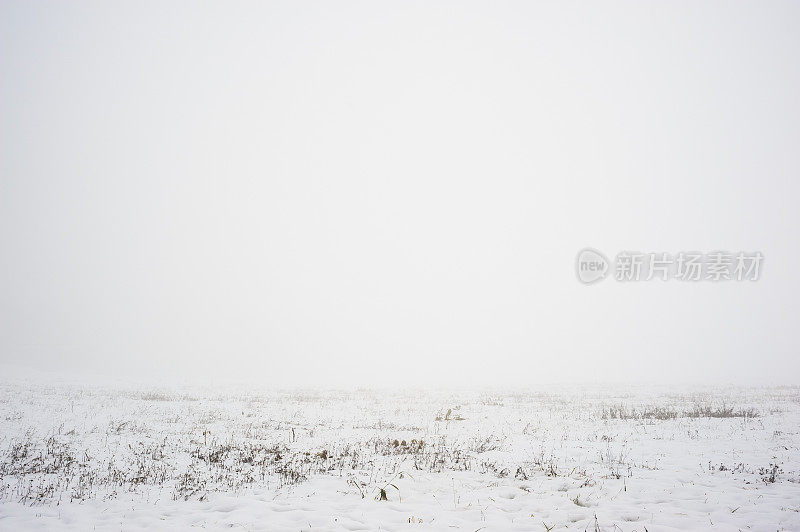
[(359, 193)]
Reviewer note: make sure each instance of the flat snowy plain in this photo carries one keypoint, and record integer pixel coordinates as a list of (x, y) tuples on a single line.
[(83, 457)]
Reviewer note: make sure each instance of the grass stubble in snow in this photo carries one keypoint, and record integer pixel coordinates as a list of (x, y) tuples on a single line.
[(584, 458)]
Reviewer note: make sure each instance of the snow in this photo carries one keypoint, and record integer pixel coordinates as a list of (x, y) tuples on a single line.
[(76, 456)]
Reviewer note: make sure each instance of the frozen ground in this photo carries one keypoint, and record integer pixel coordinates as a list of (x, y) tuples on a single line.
[(627, 458)]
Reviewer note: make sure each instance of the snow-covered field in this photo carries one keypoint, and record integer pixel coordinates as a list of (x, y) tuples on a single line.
[(626, 458)]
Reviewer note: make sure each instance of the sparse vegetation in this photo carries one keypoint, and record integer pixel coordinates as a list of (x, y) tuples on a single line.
[(187, 447), (661, 413)]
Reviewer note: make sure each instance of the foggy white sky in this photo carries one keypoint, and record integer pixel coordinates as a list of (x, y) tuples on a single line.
[(303, 192)]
